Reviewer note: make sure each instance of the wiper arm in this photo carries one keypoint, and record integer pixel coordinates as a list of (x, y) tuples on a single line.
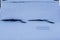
[(13, 20), (44, 20)]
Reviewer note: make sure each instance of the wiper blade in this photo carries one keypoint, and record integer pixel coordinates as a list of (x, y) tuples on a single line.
[(56, 0), (4, 0), (13, 20), (44, 20)]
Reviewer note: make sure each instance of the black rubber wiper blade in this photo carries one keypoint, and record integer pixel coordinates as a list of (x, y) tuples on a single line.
[(17, 2), (36, 20), (50, 22), (56, 0), (13, 20), (4, 0), (44, 20)]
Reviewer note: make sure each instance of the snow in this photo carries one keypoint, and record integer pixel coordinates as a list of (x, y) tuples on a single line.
[(30, 30)]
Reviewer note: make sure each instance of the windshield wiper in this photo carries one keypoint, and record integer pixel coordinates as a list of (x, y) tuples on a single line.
[(4, 0), (56, 0), (44, 20), (13, 20)]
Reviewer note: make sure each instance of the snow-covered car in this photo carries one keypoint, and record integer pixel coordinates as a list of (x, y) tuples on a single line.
[(46, 28)]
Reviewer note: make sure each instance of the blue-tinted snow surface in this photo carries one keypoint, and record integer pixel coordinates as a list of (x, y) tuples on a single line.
[(30, 30)]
